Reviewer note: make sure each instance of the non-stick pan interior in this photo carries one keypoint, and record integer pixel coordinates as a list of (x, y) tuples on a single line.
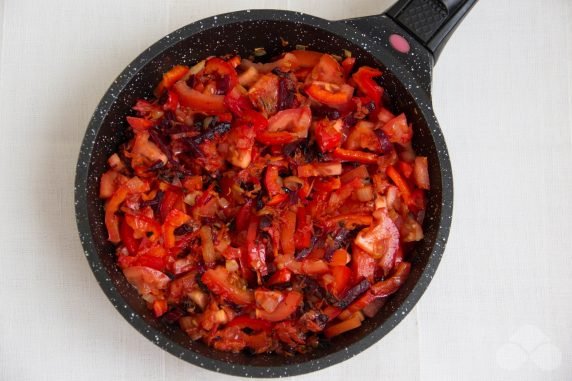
[(243, 38)]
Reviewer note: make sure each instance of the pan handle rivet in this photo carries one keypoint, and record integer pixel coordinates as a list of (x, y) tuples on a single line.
[(399, 43)]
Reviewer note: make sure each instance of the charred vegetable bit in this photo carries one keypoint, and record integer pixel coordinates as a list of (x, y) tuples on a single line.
[(266, 207)]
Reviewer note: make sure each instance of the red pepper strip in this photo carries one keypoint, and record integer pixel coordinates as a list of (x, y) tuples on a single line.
[(140, 124), (171, 200), (330, 95), (126, 234), (365, 83), (383, 288), (392, 284), (218, 281), (340, 257), (327, 185), (279, 198), (174, 219), (401, 184), (222, 68), (341, 283), (144, 226), (286, 308), (134, 185), (243, 216), (328, 134), (351, 219), (170, 77), (280, 277), (197, 101), (320, 169), (172, 101), (405, 168), (255, 325), (346, 325), (287, 234), (157, 263), (272, 181), (276, 138), (348, 65), (303, 235), (160, 307), (237, 102), (355, 156)]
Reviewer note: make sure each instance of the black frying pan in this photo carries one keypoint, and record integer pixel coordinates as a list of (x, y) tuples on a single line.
[(404, 42)]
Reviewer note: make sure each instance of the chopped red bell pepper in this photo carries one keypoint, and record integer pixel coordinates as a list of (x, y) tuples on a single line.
[(329, 134), (219, 281), (330, 95), (355, 156), (208, 104), (256, 325), (144, 226), (140, 124), (223, 69), (170, 78), (303, 234), (174, 219), (367, 86)]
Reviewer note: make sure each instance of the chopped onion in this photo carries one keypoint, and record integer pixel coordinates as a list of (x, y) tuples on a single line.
[(231, 265), (197, 68), (199, 298), (365, 193), (209, 254)]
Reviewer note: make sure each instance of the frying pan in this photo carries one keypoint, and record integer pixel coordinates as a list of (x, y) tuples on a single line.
[(404, 42)]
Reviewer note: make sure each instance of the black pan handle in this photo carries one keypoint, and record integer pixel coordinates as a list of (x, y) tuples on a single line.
[(431, 22)]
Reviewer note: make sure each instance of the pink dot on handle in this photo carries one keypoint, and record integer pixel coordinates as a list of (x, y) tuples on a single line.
[(399, 43)]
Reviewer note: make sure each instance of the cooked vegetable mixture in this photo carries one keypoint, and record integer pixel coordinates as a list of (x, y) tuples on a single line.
[(266, 206)]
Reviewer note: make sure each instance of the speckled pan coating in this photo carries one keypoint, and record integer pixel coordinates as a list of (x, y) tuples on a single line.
[(406, 78)]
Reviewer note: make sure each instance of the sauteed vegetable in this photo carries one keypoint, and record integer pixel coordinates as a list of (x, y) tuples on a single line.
[(266, 206)]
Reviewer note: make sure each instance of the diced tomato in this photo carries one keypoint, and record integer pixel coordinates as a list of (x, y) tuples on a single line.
[(264, 94), (295, 120), (276, 138), (160, 307), (172, 101), (307, 58), (320, 169), (110, 182), (362, 136), (157, 263), (286, 308), (327, 70), (329, 134), (379, 240), (146, 280), (280, 277), (140, 124), (195, 100), (172, 199), (405, 168), (330, 95), (421, 172), (347, 66), (367, 86), (397, 130), (384, 115), (363, 265), (219, 281)]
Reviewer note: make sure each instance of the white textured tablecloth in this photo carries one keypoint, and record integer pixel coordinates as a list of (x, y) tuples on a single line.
[(500, 306)]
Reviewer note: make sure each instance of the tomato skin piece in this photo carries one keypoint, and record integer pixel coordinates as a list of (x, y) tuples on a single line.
[(217, 280), (365, 83), (195, 100), (286, 308)]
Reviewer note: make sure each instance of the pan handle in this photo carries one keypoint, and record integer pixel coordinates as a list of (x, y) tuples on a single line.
[(431, 22)]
